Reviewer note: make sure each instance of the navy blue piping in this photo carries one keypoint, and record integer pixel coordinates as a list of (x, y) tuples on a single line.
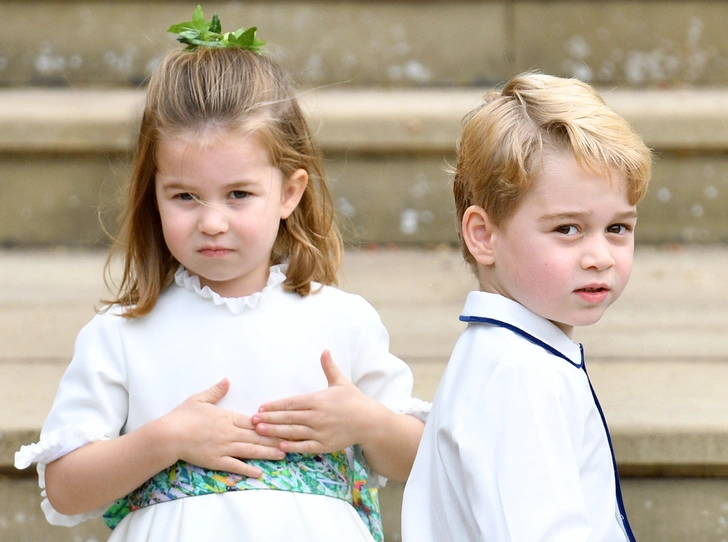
[(617, 484), (525, 335), (552, 350)]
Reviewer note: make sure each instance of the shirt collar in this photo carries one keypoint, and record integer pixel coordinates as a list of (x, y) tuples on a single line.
[(484, 306)]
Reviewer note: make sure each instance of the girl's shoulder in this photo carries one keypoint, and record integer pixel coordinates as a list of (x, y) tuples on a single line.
[(338, 303), (337, 296), (106, 319)]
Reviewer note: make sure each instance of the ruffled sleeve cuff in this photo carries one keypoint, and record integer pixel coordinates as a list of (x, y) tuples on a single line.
[(415, 407), (52, 446)]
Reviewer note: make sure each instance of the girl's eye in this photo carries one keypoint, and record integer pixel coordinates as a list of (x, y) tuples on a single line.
[(185, 196), (239, 194), (619, 228), (567, 230)]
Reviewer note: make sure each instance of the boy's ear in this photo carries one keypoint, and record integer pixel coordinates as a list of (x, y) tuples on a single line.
[(293, 189), (478, 234)]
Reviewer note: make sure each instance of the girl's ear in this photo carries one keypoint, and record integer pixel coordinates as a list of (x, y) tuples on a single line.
[(478, 234), (293, 189)]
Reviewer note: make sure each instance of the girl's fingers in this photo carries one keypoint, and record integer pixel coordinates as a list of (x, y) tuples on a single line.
[(302, 447), (299, 402), (284, 417), (256, 439), (285, 432), (213, 394), (243, 422), (236, 466), (253, 451)]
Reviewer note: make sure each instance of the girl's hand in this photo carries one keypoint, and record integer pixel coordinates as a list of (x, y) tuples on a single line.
[(320, 422), (214, 438)]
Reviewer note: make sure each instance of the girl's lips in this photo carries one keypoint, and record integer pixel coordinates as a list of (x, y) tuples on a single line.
[(215, 251)]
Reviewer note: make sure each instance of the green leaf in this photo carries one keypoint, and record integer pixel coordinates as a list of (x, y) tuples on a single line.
[(180, 27), (200, 33), (245, 39), (215, 25), (198, 19)]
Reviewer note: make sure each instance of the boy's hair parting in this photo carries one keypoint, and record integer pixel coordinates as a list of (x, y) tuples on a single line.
[(232, 90), (501, 147)]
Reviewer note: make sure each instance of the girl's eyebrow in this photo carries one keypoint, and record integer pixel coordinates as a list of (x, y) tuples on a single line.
[(174, 184)]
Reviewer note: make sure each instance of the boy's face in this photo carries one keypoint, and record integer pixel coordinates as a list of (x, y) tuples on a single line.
[(566, 252)]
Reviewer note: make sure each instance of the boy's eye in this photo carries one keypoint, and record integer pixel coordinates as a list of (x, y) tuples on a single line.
[(619, 228), (239, 194), (567, 230)]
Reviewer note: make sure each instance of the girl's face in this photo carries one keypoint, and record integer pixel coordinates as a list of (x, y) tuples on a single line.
[(221, 200), (566, 253)]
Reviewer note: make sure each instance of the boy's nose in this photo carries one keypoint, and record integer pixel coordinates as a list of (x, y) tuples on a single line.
[(597, 254), (212, 220)]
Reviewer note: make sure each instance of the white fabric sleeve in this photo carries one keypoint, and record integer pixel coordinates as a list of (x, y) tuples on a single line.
[(382, 375), (379, 373), (521, 449), (91, 404)]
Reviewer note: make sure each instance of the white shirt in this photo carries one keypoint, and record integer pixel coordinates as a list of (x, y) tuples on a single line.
[(125, 373), (515, 448)]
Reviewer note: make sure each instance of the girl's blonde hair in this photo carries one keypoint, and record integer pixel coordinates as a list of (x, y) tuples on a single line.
[(502, 144), (235, 90)]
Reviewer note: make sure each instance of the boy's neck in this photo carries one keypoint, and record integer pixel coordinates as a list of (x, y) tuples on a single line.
[(486, 286)]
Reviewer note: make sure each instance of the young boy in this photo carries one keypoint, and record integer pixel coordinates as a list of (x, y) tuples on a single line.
[(516, 446)]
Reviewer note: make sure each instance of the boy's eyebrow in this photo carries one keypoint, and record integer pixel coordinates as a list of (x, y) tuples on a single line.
[(626, 215)]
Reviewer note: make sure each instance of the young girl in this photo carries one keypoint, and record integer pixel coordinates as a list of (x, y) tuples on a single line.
[(224, 308)]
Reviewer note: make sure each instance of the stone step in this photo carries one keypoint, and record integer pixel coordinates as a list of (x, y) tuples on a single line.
[(64, 153), (388, 42), (658, 360)]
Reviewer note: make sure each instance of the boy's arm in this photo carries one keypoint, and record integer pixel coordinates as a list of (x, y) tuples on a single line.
[(341, 416)]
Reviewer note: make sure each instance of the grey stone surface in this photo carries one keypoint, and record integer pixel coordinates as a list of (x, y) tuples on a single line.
[(389, 42), (64, 155), (343, 43), (633, 43)]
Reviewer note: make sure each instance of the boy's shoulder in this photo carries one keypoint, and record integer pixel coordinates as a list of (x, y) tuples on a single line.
[(506, 344), (519, 333), (507, 353)]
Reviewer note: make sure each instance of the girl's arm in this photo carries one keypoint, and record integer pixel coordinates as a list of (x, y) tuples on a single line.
[(197, 431), (338, 417)]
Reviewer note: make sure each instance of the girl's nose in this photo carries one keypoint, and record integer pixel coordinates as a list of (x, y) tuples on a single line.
[(212, 220), (597, 254)]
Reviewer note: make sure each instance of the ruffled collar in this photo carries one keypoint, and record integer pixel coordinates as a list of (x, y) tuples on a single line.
[(236, 305)]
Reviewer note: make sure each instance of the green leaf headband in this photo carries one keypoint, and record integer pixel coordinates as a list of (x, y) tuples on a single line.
[(200, 33)]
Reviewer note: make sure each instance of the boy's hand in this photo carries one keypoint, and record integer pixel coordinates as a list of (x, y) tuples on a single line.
[(320, 422), (214, 438)]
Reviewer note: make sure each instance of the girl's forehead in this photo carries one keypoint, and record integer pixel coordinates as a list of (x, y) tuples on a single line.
[(208, 136), (191, 145)]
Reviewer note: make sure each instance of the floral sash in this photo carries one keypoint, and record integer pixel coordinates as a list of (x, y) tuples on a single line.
[(333, 475)]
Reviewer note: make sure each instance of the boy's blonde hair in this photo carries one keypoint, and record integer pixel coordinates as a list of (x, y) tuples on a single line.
[(229, 90), (503, 140)]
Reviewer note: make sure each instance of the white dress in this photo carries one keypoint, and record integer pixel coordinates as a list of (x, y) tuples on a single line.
[(125, 373), (515, 448)]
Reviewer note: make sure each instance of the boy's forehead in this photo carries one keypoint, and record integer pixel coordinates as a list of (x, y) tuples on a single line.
[(561, 164), (561, 178)]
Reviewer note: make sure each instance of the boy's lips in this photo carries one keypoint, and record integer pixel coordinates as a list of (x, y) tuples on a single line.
[(594, 293)]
